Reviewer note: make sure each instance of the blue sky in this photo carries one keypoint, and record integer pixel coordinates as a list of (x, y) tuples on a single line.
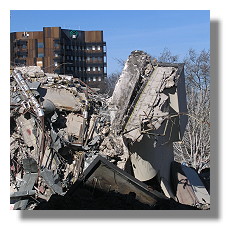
[(127, 30)]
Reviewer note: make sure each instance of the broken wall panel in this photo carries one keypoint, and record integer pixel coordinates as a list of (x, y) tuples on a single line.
[(75, 126), (126, 86), (107, 177), (148, 106), (28, 131), (157, 102), (150, 121)]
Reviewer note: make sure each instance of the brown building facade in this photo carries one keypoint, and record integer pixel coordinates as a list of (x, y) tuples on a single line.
[(63, 51)]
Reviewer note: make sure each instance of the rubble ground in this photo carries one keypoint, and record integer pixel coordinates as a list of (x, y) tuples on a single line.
[(60, 127)]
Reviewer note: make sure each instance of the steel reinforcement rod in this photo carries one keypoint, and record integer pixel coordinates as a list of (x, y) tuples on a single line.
[(27, 93)]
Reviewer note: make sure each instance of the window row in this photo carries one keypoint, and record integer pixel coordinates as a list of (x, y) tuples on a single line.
[(80, 69), (94, 79), (93, 69), (88, 59), (75, 47), (93, 48), (100, 59)]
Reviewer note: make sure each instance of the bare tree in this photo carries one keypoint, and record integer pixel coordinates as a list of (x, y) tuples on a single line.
[(111, 81), (194, 149), (167, 57), (121, 62), (195, 146)]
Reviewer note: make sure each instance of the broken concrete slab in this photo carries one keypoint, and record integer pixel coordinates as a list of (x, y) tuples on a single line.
[(75, 126), (63, 99), (188, 187), (51, 181), (28, 131), (30, 165), (27, 185), (126, 86), (151, 115)]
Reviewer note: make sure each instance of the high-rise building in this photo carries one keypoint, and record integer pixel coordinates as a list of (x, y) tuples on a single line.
[(63, 51)]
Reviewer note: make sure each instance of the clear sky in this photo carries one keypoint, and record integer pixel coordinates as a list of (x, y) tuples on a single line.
[(127, 30)]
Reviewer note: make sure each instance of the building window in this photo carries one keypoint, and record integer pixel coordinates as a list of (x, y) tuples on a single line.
[(40, 55), (98, 69), (24, 46), (39, 63), (99, 79), (18, 61), (56, 55), (94, 79), (93, 48), (71, 57), (88, 58), (98, 48), (88, 69), (89, 79), (56, 63), (93, 69), (40, 45)]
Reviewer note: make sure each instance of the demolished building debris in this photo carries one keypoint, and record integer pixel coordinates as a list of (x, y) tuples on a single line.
[(73, 145)]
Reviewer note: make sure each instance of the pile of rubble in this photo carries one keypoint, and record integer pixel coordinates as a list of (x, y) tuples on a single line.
[(74, 148)]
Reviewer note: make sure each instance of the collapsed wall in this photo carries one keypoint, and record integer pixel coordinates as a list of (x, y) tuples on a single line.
[(145, 110), (60, 126)]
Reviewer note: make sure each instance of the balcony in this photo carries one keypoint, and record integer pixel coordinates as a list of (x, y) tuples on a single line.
[(74, 52), (95, 64), (95, 53), (95, 74), (95, 44), (78, 63)]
